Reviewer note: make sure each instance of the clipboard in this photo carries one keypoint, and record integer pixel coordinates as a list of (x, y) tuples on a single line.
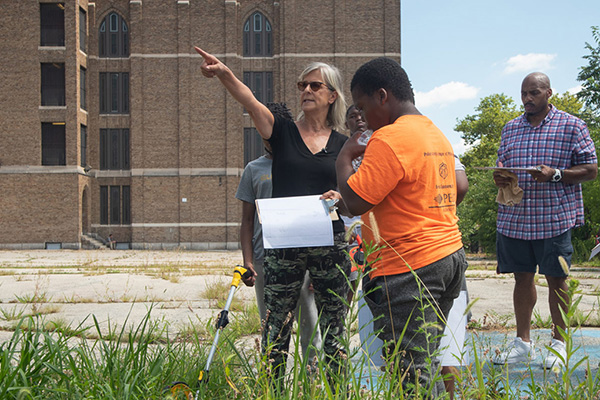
[(526, 169), (299, 221)]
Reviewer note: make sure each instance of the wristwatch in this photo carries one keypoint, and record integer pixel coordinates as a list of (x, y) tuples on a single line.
[(557, 175)]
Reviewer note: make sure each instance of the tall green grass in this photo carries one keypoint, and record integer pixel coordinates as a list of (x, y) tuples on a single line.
[(45, 360), (140, 362)]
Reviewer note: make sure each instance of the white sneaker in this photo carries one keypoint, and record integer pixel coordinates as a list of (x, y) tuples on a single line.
[(518, 351), (552, 358)]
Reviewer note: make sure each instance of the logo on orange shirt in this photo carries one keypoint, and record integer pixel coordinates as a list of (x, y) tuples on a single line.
[(443, 170)]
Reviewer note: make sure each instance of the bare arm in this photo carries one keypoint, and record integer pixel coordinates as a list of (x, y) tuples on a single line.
[(343, 166), (580, 173), (246, 233), (462, 186), (260, 114), (576, 174)]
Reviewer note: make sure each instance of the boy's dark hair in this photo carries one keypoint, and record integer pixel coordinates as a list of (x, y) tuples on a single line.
[(280, 109), (383, 73)]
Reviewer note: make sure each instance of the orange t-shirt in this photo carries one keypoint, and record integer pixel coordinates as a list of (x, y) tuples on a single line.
[(408, 174)]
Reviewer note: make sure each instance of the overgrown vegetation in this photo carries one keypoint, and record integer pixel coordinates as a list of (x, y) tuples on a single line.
[(49, 359), (45, 360)]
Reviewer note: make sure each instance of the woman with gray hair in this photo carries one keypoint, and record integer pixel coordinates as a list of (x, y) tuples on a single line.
[(304, 154)]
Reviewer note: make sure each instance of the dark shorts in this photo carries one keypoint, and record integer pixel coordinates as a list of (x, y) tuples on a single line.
[(516, 255), (413, 317)]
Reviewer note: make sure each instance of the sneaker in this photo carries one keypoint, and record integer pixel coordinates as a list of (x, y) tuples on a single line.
[(552, 358), (518, 351)]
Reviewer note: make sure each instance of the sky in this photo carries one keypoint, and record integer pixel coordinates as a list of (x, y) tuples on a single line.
[(457, 52)]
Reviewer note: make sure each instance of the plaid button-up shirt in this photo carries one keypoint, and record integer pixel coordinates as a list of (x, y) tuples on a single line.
[(547, 209)]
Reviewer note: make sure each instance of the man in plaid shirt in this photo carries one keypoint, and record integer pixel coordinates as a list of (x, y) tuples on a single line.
[(558, 149)]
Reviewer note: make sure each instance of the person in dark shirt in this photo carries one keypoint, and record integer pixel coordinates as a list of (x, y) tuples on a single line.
[(304, 155)]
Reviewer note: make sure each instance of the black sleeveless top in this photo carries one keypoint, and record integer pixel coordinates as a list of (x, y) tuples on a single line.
[(299, 172)]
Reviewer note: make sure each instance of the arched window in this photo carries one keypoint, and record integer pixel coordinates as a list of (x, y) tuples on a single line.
[(257, 36), (113, 37)]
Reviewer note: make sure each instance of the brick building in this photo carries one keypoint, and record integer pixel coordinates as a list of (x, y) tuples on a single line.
[(109, 127)]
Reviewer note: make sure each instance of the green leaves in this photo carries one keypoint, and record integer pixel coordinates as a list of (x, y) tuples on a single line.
[(589, 75), (485, 126), (482, 131)]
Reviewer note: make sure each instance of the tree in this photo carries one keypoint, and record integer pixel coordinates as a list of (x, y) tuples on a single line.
[(482, 131), (589, 75)]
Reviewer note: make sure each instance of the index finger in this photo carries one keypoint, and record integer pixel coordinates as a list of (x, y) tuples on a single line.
[(201, 52)]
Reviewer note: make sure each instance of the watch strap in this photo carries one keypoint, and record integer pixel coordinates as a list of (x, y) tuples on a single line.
[(557, 177)]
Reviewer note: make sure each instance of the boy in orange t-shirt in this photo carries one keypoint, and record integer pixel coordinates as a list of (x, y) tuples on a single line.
[(406, 184)]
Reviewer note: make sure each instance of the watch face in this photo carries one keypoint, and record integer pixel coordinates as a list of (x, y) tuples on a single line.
[(557, 176)]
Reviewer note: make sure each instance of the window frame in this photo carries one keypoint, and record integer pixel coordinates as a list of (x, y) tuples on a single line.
[(82, 88), (53, 143), (261, 84), (115, 205), (257, 36), (114, 149), (52, 79), (83, 145), (83, 30), (113, 38), (52, 27), (113, 88), (253, 145), (104, 205)]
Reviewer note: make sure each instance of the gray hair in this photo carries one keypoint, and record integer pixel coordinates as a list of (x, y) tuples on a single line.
[(336, 116)]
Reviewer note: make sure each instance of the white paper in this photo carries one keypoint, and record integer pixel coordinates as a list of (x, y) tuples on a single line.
[(300, 221), (595, 251)]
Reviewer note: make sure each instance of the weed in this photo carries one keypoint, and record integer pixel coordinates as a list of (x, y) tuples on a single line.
[(45, 309), (217, 293), (76, 299), (30, 298), (491, 320), (11, 313), (540, 322)]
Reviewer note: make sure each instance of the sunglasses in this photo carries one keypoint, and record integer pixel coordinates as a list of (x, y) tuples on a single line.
[(315, 86)]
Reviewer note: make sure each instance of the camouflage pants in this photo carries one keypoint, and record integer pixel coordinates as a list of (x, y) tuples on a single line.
[(284, 275)]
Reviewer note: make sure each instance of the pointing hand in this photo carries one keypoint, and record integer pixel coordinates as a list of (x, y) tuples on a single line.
[(211, 66)]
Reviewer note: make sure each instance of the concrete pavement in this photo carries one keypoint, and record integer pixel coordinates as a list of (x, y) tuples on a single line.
[(76, 282)]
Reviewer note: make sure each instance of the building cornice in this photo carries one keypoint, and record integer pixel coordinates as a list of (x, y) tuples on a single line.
[(145, 172), (237, 55), (41, 169), (173, 225)]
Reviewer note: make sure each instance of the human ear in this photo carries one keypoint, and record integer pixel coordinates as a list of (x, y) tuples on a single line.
[(383, 96), (333, 97)]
